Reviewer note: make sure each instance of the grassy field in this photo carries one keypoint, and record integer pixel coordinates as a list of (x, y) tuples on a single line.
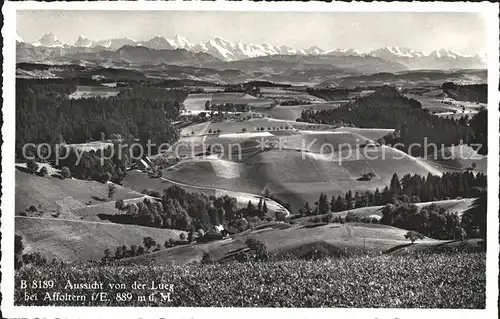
[(72, 240), (84, 91), (293, 112), (458, 158), (433, 102), (285, 94), (280, 238), (196, 102), (52, 195), (373, 134), (233, 126), (409, 281)]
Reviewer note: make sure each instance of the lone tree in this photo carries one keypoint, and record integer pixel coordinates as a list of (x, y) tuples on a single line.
[(140, 251), (413, 236), (148, 242)]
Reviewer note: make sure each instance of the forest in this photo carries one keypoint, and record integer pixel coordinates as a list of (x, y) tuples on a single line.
[(471, 92), (45, 114), (387, 108)]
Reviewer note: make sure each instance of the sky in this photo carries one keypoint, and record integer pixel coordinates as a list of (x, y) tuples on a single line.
[(459, 32)]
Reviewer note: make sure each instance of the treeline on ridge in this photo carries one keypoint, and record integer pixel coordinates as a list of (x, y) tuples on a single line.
[(409, 189)]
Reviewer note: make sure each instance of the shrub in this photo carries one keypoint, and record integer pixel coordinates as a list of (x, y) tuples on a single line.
[(32, 166), (207, 258), (182, 236), (258, 250), (18, 251), (111, 191), (120, 204), (43, 171), (151, 192), (65, 173)]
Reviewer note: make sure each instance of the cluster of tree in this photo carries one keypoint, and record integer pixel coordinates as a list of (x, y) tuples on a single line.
[(35, 258), (467, 92), (258, 211), (409, 189), (96, 165), (350, 217), (329, 94), (44, 113), (243, 88), (387, 108), (274, 128), (149, 245), (295, 102), (193, 212), (267, 84), (151, 192), (435, 222), (182, 210)]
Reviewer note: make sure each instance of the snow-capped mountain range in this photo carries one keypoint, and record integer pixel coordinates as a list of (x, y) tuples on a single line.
[(231, 51)]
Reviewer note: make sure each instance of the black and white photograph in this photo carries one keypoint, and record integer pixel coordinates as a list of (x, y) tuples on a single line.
[(187, 158)]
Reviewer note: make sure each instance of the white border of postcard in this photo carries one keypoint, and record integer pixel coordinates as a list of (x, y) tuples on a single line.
[(490, 11)]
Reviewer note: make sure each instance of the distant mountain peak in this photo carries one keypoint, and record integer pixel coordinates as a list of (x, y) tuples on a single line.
[(239, 50), (48, 40), (82, 41)]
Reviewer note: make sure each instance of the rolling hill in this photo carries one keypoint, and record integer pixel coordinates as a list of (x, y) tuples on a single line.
[(72, 240), (296, 176), (51, 195), (299, 240), (416, 78)]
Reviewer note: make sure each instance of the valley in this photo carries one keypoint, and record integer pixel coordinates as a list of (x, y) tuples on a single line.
[(216, 160)]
